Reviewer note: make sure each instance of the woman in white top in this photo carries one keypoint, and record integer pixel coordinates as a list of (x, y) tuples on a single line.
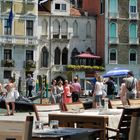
[(10, 98), (98, 92)]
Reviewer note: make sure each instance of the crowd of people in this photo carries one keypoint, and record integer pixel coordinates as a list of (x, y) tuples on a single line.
[(129, 89), (66, 92)]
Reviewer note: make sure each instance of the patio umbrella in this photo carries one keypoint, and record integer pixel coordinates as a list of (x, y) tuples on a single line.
[(117, 72), (87, 55)]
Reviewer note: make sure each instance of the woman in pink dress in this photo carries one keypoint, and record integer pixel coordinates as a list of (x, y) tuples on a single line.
[(66, 97)]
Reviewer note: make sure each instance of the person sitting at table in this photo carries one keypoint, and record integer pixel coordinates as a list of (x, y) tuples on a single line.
[(97, 94)]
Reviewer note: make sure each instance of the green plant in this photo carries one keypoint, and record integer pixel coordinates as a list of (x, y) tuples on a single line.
[(8, 63), (84, 68), (30, 64)]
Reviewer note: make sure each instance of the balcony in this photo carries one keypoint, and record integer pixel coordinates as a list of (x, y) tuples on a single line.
[(113, 15), (113, 40), (19, 40), (7, 63), (29, 65), (133, 41), (133, 16)]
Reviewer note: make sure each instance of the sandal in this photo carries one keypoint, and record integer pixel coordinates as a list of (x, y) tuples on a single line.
[(11, 113)]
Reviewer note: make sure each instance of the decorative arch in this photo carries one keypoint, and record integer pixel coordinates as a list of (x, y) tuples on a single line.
[(65, 56), (132, 56), (44, 27), (88, 29), (113, 29), (112, 56), (75, 28), (64, 29), (44, 57), (57, 54), (56, 28), (73, 54)]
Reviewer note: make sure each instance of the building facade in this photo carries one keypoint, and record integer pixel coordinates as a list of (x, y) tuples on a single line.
[(63, 32), (18, 38), (122, 35)]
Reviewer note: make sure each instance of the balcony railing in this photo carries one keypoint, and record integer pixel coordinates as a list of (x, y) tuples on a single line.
[(7, 63), (9, 39), (113, 15), (134, 41), (133, 15), (29, 64), (113, 40)]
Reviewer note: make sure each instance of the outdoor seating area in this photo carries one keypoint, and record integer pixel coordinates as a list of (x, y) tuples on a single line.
[(85, 124)]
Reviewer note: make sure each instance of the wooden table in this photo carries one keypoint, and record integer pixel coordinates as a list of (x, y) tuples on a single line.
[(88, 119), (65, 134)]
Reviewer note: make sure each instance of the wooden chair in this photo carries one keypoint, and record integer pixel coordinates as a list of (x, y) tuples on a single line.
[(16, 130), (117, 103), (122, 132), (135, 127), (134, 102), (42, 111), (77, 106)]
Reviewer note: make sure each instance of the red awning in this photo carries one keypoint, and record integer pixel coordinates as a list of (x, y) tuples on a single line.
[(87, 55)]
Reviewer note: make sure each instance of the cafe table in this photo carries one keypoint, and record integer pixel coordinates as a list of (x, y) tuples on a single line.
[(63, 133), (92, 118)]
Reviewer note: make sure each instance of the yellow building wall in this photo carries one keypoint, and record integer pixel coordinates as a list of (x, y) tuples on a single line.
[(30, 8), (19, 26), (19, 8)]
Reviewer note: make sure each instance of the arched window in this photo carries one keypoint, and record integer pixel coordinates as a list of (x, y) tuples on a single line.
[(112, 56), (75, 52), (57, 56), (132, 57), (113, 6), (133, 30), (113, 30), (75, 29), (44, 57), (44, 27), (56, 29), (64, 29), (133, 6), (65, 56), (88, 29)]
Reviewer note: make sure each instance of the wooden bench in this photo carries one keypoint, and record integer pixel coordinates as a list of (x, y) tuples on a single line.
[(42, 111), (79, 121), (16, 130)]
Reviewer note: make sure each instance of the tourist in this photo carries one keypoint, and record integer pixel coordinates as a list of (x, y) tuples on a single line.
[(76, 89), (53, 92), (30, 85), (122, 93), (60, 91), (98, 92), (131, 86), (110, 88), (10, 98), (67, 95)]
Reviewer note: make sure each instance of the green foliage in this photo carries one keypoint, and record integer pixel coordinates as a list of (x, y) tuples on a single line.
[(84, 68)]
